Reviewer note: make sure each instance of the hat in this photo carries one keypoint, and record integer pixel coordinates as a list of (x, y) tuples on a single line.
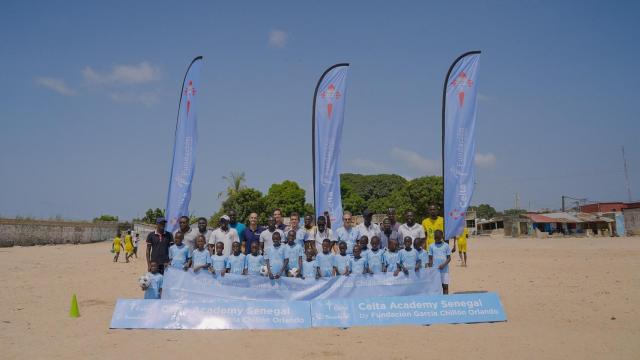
[(160, 219), (225, 217), (367, 213)]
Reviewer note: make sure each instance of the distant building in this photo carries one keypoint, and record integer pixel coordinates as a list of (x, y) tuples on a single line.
[(606, 207)]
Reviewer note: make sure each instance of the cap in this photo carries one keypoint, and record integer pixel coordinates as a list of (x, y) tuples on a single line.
[(160, 219), (225, 217)]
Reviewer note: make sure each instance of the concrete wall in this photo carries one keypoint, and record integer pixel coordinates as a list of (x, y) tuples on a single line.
[(631, 221), (35, 232)]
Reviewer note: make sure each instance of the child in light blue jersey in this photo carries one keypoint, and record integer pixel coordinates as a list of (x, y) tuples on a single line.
[(358, 264), (391, 257), (294, 252), (364, 246), (274, 255), (408, 257), (423, 257), (254, 260), (326, 260), (375, 256), (200, 257), (219, 261), (310, 267), (440, 256), (237, 260), (154, 291), (179, 253), (342, 260)]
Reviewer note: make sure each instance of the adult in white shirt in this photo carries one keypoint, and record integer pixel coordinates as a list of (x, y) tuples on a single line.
[(188, 232), (367, 228), (225, 235), (411, 228), (266, 237), (322, 232)]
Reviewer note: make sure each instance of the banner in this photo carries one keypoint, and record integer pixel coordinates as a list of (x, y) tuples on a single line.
[(184, 149), (418, 310), (214, 314), (257, 314), (459, 108), (202, 286), (327, 120)]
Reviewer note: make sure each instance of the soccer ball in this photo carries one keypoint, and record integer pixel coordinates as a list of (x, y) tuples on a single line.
[(264, 271), (293, 272), (144, 281)]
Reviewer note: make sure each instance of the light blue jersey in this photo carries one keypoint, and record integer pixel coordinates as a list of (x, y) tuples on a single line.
[(309, 269), (349, 236), (325, 263), (179, 255), (423, 256), (440, 253), (200, 258), (357, 266), (365, 253), (391, 260), (375, 260), (237, 264), (275, 255), (293, 253), (254, 264), (153, 291), (342, 263), (219, 263), (408, 259)]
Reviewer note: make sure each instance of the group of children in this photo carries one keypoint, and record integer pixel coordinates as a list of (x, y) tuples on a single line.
[(296, 260), (130, 246)]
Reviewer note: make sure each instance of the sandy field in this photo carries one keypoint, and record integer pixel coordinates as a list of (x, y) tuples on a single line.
[(564, 298)]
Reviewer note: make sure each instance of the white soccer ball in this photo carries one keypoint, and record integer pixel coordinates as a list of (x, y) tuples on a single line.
[(293, 272), (264, 271), (144, 281)]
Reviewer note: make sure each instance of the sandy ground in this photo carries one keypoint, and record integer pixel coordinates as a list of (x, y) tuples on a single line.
[(564, 298)]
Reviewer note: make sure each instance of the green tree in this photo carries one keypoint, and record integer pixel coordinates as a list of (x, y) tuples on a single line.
[(484, 211), (350, 200), (244, 202), (287, 196), (105, 217), (371, 187), (236, 182), (514, 212)]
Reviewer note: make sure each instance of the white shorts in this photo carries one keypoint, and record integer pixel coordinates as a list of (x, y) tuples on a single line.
[(444, 278)]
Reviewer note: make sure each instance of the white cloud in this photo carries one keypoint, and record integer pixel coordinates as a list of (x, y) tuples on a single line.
[(369, 165), (415, 161), (56, 85), (146, 98), (487, 160), (123, 74), (278, 38)]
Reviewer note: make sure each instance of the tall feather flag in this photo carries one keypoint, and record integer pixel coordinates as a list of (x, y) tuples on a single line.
[(327, 120), (459, 110), (183, 165)]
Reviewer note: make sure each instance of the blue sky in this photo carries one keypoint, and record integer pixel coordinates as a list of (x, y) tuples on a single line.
[(90, 91)]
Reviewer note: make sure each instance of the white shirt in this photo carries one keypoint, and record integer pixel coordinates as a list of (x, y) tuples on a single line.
[(266, 237), (371, 231), (189, 237), (415, 231), (226, 237), (318, 237)]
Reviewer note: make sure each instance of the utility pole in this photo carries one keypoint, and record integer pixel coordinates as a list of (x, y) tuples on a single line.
[(563, 203), (626, 174), (517, 201)]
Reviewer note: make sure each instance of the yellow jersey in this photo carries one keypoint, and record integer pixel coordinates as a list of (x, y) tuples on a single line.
[(430, 226), (116, 244), (128, 244)]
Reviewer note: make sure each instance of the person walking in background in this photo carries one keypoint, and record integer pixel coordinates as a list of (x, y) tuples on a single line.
[(116, 246), (461, 244), (128, 246), (136, 243)]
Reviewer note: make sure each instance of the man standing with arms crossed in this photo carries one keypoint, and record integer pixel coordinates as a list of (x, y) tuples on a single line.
[(432, 223)]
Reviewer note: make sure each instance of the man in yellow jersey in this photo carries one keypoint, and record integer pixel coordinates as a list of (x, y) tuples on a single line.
[(432, 223), (461, 243)]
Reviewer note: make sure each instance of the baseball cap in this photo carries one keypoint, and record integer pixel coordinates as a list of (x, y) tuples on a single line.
[(225, 217)]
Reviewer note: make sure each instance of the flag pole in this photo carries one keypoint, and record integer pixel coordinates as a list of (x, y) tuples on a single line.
[(313, 129), (444, 103)]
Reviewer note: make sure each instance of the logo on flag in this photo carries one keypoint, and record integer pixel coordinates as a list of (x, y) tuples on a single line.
[(189, 92), (331, 94), (459, 83)]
